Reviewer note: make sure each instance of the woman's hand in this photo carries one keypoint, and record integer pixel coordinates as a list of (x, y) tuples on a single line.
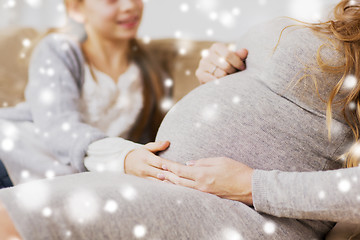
[(221, 176), (142, 162), (220, 62)]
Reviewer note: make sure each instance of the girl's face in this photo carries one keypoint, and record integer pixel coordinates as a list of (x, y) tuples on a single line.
[(113, 19)]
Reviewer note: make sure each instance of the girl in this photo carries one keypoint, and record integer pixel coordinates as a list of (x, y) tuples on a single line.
[(97, 92)]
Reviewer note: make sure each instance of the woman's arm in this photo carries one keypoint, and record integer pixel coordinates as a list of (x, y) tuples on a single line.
[(7, 228), (325, 195)]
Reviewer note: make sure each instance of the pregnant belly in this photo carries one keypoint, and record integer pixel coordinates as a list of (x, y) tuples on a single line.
[(241, 118)]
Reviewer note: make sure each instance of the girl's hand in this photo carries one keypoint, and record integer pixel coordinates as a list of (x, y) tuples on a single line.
[(220, 62), (142, 162), (221, 176)]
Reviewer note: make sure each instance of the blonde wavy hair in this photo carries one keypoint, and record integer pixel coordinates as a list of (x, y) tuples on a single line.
[(344, 27)]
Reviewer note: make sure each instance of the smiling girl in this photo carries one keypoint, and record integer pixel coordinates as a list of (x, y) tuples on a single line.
[(84, 98)]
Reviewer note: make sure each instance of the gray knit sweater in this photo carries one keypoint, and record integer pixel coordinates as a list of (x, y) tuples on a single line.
[(260, 118)]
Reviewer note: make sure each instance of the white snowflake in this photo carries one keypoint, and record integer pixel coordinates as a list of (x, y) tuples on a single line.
[(352, 106), (7, 145), (184, 7), (262, 2), (231, 234), (221, 60), (25, 174), (236, 11), (47, 96), (32, 195), (232, 47), (9, 130), (146, 39), (166, 104), (227, 19), (26, 42), (65, 126), (205, 53), (344, 185), (213, 16), (10, 4), (128, 192), (236, 99), (353, 2), (60, 7), (209, 32), (356, 149), (110, 206), (207, 5), (209, 112), (50, 72), (46, 212), (269, 227), (82, 206), (182, 51), (42, 70), (168, 82), (178, 34), (100, 167), (354, 178), (139, 231), (350, 82), (68, 233), (321, 195), (187, 72), (50, 174), (34, 3)]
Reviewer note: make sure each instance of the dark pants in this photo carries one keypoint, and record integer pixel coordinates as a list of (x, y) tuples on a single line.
[(4, 177)]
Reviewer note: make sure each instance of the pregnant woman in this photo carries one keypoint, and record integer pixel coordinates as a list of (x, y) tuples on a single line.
[(262, 117)]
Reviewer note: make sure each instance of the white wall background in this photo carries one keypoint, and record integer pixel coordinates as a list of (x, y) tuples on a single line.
[(222, 20)]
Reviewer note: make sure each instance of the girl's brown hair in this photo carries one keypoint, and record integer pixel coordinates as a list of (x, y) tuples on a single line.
[(344, 27)]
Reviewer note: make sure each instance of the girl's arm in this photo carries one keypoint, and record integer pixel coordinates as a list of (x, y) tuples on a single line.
[(54, 92)]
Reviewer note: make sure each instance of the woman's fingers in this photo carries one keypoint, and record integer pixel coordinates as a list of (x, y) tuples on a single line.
[(173, 178), (153, 179), (204, 77), (233, 60), (210, 70), (221, 63), (242, 53), (157, 146)]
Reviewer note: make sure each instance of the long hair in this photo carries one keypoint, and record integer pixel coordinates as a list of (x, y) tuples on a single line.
[(152, 77), (344, 28)]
